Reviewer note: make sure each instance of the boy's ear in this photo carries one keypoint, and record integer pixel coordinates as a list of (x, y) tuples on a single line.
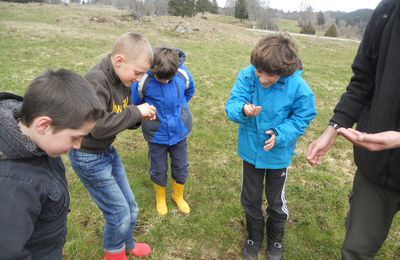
[(43, 124), (119, 60)]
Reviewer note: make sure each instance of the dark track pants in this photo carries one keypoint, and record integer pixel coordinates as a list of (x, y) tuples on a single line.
[(158, 157), (251, 199), (372, 208)]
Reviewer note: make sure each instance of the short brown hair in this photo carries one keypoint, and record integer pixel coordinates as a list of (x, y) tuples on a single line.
[(64, 96), (166, 62), (133, 45), (276, 54)]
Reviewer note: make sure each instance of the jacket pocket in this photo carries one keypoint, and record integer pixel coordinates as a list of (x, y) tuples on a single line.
[(150, 128), (56, 204), (186, 118)]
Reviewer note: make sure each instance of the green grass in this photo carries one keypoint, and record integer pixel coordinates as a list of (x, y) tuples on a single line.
[(35, 37), (287, 25)]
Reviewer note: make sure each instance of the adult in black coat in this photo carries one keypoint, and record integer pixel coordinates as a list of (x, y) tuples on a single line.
[(372, 101)]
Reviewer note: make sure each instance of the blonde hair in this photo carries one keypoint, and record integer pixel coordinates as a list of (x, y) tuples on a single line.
[(132, 46)]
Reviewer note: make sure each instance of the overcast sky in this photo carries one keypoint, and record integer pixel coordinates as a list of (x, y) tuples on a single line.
[(319, 5)]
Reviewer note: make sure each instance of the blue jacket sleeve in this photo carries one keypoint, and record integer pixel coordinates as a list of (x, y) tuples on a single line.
[(295, 125), (240, 95), (189, 92), (20, 207), (135, 99)]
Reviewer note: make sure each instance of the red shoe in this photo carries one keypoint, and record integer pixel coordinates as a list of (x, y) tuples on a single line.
[(115, 256), (140, 250)]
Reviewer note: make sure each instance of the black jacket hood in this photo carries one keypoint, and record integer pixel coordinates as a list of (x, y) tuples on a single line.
[(13, 144)]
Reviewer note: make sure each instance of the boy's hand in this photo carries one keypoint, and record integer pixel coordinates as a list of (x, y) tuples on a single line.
[(270, 143), (148, 111), (251, 110)]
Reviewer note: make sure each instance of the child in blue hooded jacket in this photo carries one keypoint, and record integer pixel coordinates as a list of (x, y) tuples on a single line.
[(273, 106), (168, 86)]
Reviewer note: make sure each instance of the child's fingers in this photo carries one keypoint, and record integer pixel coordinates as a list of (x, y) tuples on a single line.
[(269, 146)]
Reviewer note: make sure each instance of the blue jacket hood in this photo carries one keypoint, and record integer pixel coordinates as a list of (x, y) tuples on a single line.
[(182, 57)]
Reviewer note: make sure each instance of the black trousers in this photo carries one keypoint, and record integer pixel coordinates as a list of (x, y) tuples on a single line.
[(368, 221), (251, 200)]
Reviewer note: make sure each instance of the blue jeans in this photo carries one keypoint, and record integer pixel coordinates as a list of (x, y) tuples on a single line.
[(159, 162), (104, 177)]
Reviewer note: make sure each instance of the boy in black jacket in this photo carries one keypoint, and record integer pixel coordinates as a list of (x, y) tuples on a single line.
[(372, 101), (58, 109)]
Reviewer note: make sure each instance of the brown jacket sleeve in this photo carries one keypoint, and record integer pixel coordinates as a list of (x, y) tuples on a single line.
[(113, 122)]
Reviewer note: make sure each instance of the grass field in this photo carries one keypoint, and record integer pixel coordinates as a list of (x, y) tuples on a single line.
[(34, 37)]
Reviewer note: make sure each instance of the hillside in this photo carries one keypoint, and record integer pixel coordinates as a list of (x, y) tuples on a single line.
[(34, 37)]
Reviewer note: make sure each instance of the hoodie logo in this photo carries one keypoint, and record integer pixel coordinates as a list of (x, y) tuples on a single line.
[(117, 108)]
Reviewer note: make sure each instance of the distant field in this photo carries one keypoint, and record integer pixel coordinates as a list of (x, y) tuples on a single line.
[(34, 37), (287, 25)]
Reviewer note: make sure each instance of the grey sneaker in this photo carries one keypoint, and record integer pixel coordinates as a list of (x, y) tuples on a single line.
[(274, 251), (250, 250)]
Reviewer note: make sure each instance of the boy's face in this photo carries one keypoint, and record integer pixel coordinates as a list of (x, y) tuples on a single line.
[(55, 143), (266, 79), (130, 72)]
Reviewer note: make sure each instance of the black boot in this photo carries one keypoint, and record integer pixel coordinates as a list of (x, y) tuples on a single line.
[(275, 230), (251, 249), (274, 251), (255, 229)]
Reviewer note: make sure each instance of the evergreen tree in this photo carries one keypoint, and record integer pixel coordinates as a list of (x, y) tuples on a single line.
[(26, 1), (190, 8), (332, 32), (203, 6), (320, 18), (241, 10), (182, 7), (214, 7), (308, 29)]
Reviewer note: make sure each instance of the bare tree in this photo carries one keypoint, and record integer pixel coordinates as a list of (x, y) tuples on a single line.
[(304, 13), (348, 30), (160, 7), (253, 7), (229, 8)]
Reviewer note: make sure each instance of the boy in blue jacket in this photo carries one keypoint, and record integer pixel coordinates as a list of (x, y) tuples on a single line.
[(168, 86), (273, 106)]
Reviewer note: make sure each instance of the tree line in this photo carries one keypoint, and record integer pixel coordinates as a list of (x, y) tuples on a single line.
[(256, 12)]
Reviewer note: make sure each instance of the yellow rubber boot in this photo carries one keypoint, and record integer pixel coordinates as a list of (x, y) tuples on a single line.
[(161, 199), (177, 197)]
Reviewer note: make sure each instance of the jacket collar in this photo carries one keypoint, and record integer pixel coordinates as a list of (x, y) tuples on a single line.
[(13, 144), (108, 68)]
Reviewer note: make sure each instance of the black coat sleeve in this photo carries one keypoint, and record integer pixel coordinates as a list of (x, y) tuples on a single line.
[(20, 206), (361, 88)]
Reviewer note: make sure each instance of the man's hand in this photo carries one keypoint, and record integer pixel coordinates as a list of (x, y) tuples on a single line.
[(372, 142), (251, 110), (147, 111), (317, 149)]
